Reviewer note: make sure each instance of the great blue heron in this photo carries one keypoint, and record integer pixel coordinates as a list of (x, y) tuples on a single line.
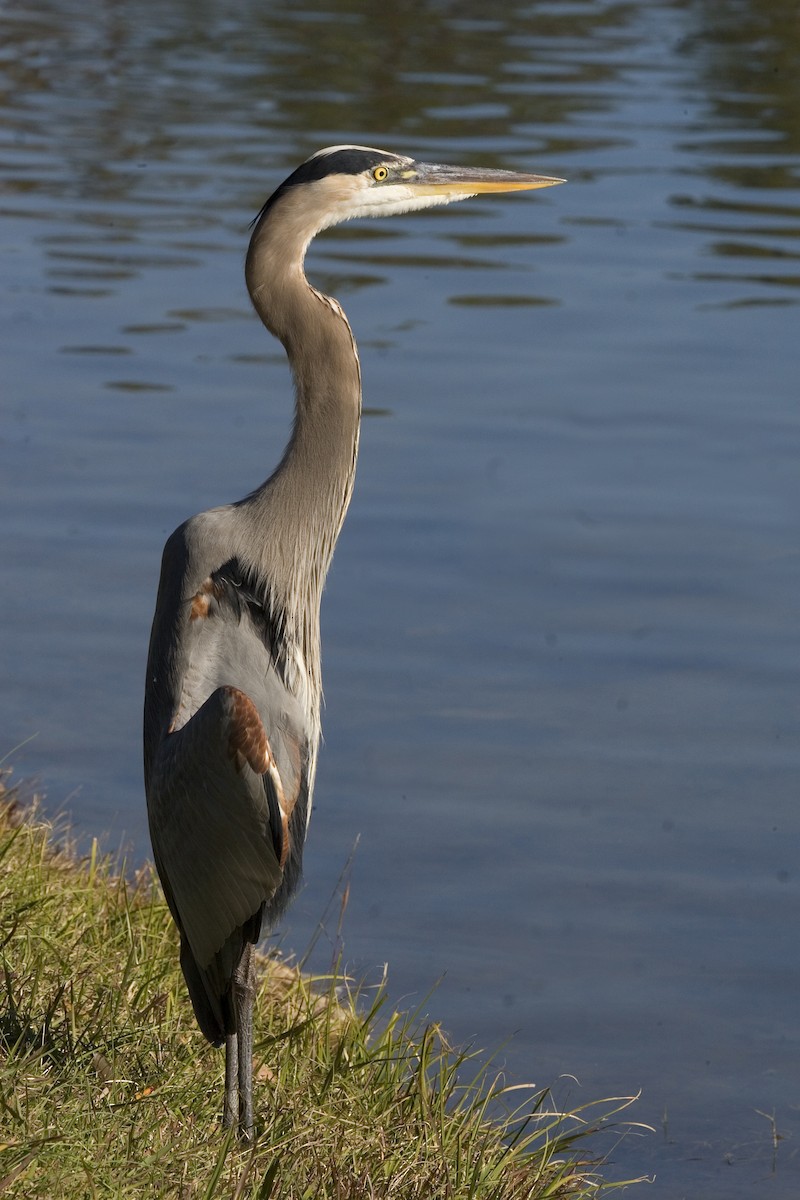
[(232, 705)]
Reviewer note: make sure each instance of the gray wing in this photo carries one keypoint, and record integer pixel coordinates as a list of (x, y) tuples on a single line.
[(228, 761), (217, 820)]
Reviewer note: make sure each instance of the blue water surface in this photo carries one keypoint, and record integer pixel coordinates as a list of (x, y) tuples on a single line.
[(561, 634)]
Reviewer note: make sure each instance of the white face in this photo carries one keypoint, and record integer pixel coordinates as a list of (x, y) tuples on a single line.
[(382, 190)]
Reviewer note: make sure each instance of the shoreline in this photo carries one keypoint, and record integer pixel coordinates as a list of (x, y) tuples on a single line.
[(108, 1087)]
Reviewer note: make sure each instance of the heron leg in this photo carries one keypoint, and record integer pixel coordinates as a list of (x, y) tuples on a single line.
[(230, 1112), (244, 988)]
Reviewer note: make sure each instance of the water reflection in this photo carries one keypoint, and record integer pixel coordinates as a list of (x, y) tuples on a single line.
[(747, 58)]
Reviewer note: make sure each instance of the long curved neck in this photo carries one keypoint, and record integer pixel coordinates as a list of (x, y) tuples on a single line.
[(298, 513)]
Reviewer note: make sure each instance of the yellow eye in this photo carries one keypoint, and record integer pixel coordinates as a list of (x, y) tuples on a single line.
[(379, 174)]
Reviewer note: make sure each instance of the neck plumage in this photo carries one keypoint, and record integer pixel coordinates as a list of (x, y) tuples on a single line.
[(297, 514)]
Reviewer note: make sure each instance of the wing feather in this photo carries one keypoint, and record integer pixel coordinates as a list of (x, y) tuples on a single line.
[(211, 820)]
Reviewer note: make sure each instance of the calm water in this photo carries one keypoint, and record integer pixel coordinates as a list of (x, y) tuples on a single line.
[(561, 629)]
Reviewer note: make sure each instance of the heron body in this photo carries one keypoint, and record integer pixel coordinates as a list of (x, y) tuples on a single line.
[(233, 690)]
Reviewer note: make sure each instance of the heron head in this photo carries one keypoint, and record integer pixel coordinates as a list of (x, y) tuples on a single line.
[(342, 182)]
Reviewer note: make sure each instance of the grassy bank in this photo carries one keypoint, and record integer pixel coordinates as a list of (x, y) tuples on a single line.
[(107, 1089)]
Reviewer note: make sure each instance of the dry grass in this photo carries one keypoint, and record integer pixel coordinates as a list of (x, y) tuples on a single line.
[(108, 1090)]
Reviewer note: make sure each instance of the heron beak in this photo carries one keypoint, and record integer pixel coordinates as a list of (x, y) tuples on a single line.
[(432, 179)]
